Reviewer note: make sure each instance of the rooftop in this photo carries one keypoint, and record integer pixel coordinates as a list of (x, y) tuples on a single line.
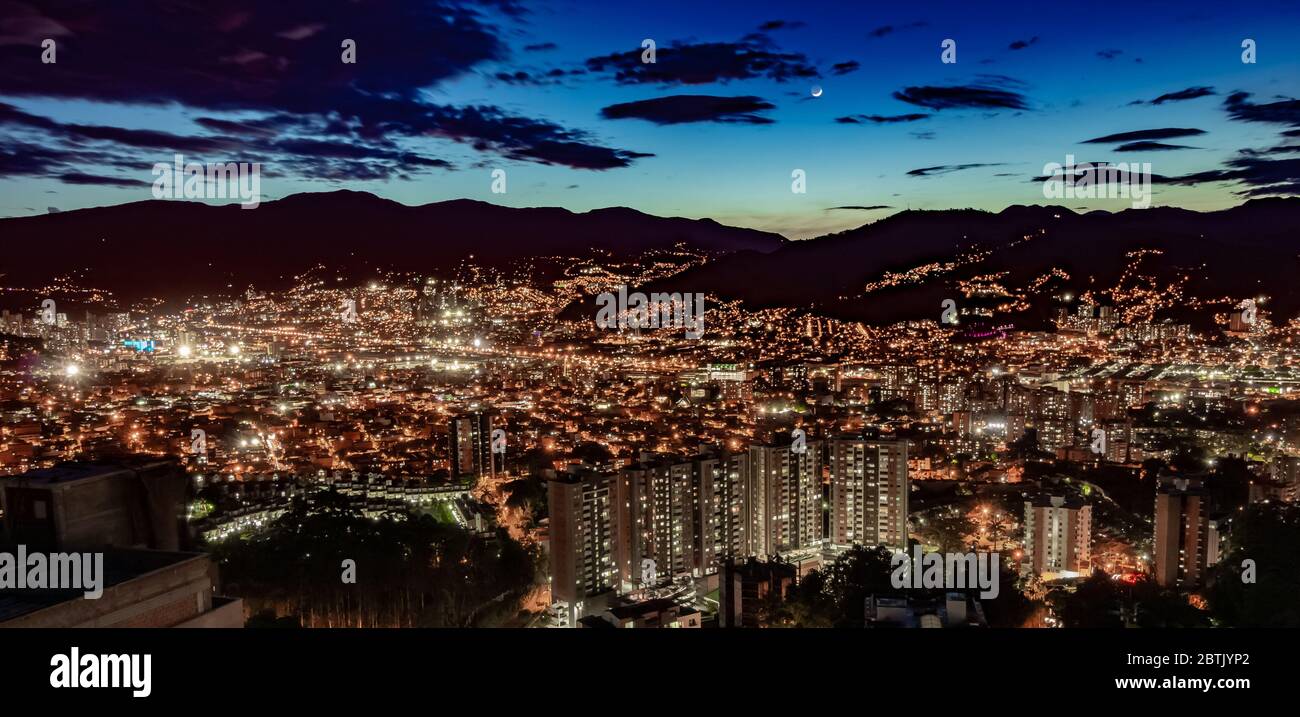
[(120, 566)]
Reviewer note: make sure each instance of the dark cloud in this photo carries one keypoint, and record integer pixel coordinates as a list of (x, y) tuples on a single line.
[(704, 63), (1109, 54), (1240, 108), (962, 97), (948, 168), (489, 128), (884, 30), (881, 119), (1099, 173), (1190, 93), (143, 139), (995, 80), (253, 128), (679, 109), (302, 147), (1145, 134), (94, 179), (1022, 44), (134, 150), (1286, 189), (536, 77), (862, 208), (771, 25), (518, 77), (1149, 147), (513, 8), (243, 55), (25, 159), (844, 68), (1257, 174), (541, 47), (281, 63)]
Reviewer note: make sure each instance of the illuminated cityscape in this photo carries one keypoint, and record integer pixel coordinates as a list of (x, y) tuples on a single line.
[(781, 435), (355, 329)]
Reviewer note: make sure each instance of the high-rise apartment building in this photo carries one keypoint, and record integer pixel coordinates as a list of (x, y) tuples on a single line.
[(1286, 471), (1058, 535), (470, 442), (584, 530), (785, 494), (1181, 550), (869, 490), (744, 587), (684, 514), (1118, 444)]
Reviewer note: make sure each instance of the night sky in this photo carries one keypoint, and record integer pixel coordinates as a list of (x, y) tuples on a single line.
[(556, 94)]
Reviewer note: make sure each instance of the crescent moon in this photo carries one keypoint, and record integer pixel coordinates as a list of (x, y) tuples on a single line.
[(817, 92)]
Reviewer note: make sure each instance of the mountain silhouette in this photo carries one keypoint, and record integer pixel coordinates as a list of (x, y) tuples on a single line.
[(167, 249), (899, 268), (1246, 251)]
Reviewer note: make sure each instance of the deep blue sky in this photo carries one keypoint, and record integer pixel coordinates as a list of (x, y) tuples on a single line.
[(444, 92)]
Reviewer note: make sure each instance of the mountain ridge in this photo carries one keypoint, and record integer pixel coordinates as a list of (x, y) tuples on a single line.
[(166, 246), (911, 260), (1236, 252)]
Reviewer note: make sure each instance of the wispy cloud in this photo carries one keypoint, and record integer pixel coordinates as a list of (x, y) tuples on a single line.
[(679, 109), (949, 168), (1190, 93), (683, 63), (1240, 108), (1145, 134), (885, 30), (881, 119), (962, 97)]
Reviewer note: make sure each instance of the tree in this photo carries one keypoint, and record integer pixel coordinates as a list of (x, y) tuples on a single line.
[(1229, 484), (535, 460), (1155, 606), (1093, 603), (592, 453), (948, 529), (1012, 607), (805, 605), (1026, 446), (527, 494), (1266, 534), (835, 595), (411, 570), (268, 619)]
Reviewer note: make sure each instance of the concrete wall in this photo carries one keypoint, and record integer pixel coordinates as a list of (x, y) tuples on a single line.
[(170, 596)]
